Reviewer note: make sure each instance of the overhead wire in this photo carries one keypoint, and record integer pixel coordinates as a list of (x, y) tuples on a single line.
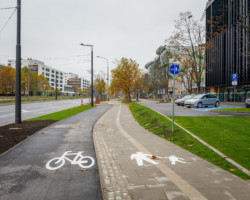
[(7, 21), (7, 8)]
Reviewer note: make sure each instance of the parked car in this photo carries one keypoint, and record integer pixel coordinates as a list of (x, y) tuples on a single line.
[(182, 101), (247, 103), (202, 100)]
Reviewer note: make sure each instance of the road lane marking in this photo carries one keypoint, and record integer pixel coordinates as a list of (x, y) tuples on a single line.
[(186, 188)]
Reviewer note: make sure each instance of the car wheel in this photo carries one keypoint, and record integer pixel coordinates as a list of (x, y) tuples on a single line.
[(217, 104), (199, 105)]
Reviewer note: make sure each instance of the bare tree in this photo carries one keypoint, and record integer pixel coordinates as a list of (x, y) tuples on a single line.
[(189, 41)]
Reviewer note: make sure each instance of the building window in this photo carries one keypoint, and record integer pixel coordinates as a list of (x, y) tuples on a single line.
[(52, 84), (52, 75), (57, 72), (43, 73), (43, 68), (53, 71), (61, 74), (52, 79), (47, 74), (48, 79), (47, 70)]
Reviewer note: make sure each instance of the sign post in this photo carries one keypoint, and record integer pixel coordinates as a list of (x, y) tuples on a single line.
[(234, 83), (174, 69)]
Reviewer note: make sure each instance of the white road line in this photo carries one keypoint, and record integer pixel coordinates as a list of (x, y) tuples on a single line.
[(190, 191)]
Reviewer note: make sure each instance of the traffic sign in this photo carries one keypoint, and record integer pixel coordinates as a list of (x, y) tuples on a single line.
[(103, 91), (161, 90), (174, 69), (234, 79)]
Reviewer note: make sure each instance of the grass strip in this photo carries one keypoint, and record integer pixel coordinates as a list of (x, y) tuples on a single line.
[(160, 126), (234, 109), (62, 114), (230, 135)]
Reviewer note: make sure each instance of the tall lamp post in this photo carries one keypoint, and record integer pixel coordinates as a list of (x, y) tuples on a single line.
[(18, 66), (92, 84), (107, 75)]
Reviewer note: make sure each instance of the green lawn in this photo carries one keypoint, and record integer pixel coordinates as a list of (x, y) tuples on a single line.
[(62, 114), (234, 109), (230, 135), (159, 125)]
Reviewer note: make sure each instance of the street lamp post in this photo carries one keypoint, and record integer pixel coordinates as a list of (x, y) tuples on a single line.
[(92, 72), (18, 117), (107, 75)]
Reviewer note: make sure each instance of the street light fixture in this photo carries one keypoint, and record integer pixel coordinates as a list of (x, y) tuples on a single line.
[(107, 75), (92, 85)]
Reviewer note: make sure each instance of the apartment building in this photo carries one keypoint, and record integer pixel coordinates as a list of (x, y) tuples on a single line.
[(53, 75)]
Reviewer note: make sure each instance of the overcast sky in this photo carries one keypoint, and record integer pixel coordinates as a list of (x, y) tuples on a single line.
[(53, 29)]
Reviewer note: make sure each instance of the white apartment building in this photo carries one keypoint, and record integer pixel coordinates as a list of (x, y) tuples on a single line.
[(52, 74)]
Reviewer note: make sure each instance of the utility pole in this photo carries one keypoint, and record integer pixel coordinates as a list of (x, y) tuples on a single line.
[(56, 88), (107, 75), (18, 66), (92, 72)]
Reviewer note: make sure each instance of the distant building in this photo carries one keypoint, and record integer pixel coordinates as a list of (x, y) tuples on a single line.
[(225, 20), (53, 75)]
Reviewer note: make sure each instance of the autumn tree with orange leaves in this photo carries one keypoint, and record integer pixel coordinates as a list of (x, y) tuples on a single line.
[(126, 77)]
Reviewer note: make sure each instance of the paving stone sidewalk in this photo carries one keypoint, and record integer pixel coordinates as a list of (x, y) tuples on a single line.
[(177, 174)]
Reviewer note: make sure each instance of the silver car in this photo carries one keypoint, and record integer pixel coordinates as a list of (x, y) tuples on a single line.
[(202, 100), (247, 103)]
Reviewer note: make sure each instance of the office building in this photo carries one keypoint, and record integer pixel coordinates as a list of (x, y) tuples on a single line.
[(226, 27)]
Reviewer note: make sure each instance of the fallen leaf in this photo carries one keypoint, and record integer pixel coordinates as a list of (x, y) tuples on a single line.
[(154, 157), (102, 125), (171, 139), (225, 130), (147, 124), (1, 136), (190, 145), (232, 170), (83, 170), (205, 121)]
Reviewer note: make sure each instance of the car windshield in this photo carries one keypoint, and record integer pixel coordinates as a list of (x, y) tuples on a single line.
[(187, 97), (198, 96)]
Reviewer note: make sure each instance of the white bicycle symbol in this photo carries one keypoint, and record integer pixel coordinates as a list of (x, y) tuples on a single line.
[(82, 161)]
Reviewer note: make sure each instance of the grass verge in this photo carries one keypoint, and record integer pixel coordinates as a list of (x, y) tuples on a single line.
[(62, 114), (230, 135), (234, 109), (160, 126)]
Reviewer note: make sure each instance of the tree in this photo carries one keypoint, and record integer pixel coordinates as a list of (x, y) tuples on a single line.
[(7, 80), (100, 86), (126, 76), (189, 41)]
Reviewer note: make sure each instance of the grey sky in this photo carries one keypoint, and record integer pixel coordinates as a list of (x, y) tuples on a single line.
[(118, 28)]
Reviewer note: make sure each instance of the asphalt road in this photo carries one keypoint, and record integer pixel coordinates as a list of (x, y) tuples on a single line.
[(166, 109), (30, 110), (26, 173)]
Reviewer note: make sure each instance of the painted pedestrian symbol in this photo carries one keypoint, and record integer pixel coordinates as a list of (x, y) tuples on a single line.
[(140, 157), (83, 161), (174, 159)]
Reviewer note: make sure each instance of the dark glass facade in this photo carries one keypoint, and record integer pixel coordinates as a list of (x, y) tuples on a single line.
[(226, 27)]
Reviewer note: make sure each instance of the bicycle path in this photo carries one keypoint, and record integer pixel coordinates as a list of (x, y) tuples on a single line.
[(23, 172), (124, 152)]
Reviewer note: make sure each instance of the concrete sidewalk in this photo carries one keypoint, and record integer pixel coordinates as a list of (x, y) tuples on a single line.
[(124, 152)]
